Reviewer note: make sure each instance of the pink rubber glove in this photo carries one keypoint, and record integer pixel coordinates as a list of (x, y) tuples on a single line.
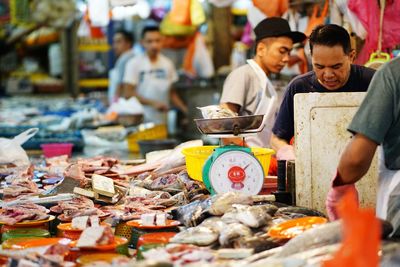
[(335, 194), (286, 153)]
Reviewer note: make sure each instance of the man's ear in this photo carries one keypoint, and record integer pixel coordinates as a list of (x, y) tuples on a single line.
[(352, 55), (260, 48)]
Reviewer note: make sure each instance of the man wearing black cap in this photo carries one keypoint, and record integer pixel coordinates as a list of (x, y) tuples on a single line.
[(332, 58), (247, 90)]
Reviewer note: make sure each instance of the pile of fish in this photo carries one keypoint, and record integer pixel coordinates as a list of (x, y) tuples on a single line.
[(233, 220)]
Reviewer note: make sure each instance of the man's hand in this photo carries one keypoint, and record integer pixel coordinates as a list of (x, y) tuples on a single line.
[(337, 191), (160, 106), (286, 152)]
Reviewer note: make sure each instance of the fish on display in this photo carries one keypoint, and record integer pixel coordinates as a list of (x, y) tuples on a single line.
[(221, 203), (299, 210), (169, 182), (321, 235), (200, 235), (232, 232), (390, 254), (258, 243), (254, 216), (180, 199), (214, 223), (191, 214), (176, 158)]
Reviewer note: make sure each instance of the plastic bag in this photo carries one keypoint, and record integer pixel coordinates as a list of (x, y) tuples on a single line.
[(255, 16), (238, 55), (170, 28), (367, 12), (315, 19), (123, 106), (197, 15), (362, 231), (11, 151), (272, 8), (180, 12), (247, 37), (355, 23), (177, 42), (198, 61)]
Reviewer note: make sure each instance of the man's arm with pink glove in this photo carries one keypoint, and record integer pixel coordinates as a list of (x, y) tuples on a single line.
[(354, 164), (284, 151)]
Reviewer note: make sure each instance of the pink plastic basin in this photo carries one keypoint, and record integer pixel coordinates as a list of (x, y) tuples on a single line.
[(57, 149)]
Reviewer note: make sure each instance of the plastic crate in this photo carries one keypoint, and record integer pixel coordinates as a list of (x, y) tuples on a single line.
[(196, 157), (156, 132)]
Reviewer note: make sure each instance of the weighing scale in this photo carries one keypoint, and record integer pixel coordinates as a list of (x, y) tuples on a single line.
[(232, 167)]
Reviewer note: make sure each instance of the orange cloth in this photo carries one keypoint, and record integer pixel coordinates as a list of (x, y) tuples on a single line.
[(188, 59), (177, 42), (361, 232), (272, 8), (180, 12), (316, 19)]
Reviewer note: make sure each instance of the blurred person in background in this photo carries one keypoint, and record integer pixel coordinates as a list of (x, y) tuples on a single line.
[(122, 46), (149, 77)]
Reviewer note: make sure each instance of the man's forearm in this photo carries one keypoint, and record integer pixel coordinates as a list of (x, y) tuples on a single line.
[(129, 90), (177, 101), (356, 159), (277, 143)]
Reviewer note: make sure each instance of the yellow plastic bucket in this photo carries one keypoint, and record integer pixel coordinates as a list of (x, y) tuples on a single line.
[(196, 157), (156, 132)]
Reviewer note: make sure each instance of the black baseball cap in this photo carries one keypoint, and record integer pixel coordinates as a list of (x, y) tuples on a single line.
[(276, 27)]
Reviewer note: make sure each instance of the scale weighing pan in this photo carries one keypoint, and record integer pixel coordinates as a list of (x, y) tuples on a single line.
[(232, 125)]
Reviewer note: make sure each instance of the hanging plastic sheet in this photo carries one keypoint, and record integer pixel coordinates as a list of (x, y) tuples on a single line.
[(197, 61), (355, 23), (99, 12), (367, 12)]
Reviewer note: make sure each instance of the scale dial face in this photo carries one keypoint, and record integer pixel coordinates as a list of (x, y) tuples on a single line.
[(236, 171)]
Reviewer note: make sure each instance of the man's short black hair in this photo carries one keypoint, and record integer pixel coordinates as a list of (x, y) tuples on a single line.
[(151, 28), (127, 36), (330, 35)]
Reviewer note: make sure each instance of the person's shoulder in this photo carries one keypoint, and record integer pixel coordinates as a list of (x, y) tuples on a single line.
[(165, 60), (241, 70), (134, 59), (301, 80), (363, 71), (392, 66), (125, 57)]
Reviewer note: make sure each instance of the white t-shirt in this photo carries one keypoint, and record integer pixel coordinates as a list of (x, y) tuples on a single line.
[(249, 87), (153, 81)]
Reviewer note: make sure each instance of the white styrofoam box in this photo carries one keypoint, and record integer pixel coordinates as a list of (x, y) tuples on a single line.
[(321, 121)]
